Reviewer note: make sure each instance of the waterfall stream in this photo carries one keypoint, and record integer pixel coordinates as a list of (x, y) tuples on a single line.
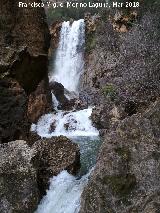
[(69, 57), (65, 190)]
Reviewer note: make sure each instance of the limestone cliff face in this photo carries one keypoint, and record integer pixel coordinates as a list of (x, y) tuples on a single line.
[(122, 80), (24, 43), (122, 68), (24, 40), (124, 63)]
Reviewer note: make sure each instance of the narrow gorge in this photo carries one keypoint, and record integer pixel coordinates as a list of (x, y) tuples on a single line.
[(80, 108), (65, 190)]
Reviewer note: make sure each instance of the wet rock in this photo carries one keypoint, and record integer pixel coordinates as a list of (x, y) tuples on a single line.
[(54, 155), (52, 127), (79, 104), (66, 126), (71, 125), (60, 93), (18, 178), (126, 177), (40, 101)]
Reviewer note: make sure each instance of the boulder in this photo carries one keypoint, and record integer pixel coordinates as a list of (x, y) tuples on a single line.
[(126, 177), (54, 155), (18, 178), (58, 91), (25, 170), (64, 103)]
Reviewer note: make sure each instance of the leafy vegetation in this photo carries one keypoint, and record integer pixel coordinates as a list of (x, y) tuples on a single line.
[(3, 22), (90, 42), (121, 185), (109, 91), (64, 13)]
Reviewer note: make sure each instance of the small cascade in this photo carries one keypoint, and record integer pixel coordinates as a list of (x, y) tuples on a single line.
[(71, 124), (65, 190), (63, 195)]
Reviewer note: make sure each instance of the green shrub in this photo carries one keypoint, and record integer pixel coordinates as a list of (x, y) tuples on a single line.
[(109, 91), (64, 13), (90, 42)]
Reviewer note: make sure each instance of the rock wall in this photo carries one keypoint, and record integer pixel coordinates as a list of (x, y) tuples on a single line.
[(123, 66), (126, 177), (40, 101), (121, 79), (24, 43), (24, 40)]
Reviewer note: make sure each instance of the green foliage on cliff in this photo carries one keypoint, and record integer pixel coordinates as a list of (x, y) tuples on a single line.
[(121, 185), (90, 42), (3, 22), (124, 153), (109, 91), (65, 13)]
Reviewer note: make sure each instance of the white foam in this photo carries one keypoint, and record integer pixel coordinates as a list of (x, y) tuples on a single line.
[(79, 124), (63, 195)]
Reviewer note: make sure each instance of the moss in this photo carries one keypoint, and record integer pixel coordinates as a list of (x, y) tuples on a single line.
[(121, 185), (4, 92), (109, 91), (65, 13), (156, 155), (90, 42), (3, 23), (124, 153)]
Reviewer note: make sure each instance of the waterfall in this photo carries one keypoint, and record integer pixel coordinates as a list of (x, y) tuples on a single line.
[(63, 195), (69, 58), (65, 190)]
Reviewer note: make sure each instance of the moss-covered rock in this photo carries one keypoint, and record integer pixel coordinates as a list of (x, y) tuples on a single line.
[(121, 185), (109, 90)]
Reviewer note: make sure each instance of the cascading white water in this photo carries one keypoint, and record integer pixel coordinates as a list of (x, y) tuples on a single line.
[(71, 124), (65, 190), (63, 195), (69, 57)]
